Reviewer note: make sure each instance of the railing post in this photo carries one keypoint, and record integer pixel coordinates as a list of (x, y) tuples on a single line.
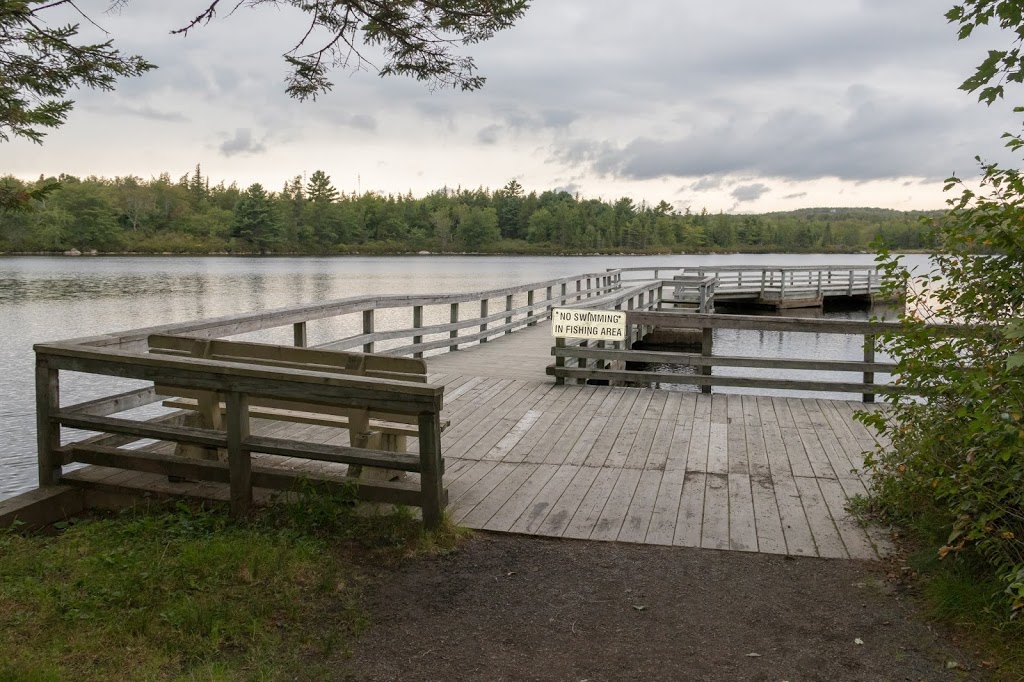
[(508, 307), (565, 287), (454, 334), (706, 348), (782, 288), (589, 286), (431, 472), (47, 430), (417, 323), (551, 304), (869, 356), (559, 361), (849, 289), (762, 283), (819, 284), (578, 287), (239, 459), (368, 329), (601, 363), (483, 314), (299, 331), (529, 304), (581, 363)]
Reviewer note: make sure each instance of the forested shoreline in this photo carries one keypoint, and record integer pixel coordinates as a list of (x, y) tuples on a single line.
[(310, 216)]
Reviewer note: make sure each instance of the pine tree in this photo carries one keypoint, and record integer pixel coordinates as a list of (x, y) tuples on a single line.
[(255, 220)]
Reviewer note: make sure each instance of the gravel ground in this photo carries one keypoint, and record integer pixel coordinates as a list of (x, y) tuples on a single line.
[(508, 607)]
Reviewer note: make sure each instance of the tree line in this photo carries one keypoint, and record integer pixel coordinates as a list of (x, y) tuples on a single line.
[(310, 215)]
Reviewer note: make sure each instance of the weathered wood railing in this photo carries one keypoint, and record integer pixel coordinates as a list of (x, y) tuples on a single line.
[(237, 383), (774, 282), (500, 312), (705, 360), (124, 355)]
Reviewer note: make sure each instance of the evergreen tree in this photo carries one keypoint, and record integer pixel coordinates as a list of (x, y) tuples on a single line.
[(255, 220)]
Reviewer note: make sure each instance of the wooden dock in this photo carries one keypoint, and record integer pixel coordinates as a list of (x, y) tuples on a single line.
[(523, 451), (523, 455)]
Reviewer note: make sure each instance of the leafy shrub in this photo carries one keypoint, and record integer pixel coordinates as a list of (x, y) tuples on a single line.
[(957, 454)]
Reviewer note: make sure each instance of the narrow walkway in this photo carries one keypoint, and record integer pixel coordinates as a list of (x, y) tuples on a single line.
[(522, 355)]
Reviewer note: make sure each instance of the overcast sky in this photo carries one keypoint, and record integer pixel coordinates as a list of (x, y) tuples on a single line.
[(735, 105)]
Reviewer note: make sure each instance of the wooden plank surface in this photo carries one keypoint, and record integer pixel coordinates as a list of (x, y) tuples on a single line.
[(723, 471)]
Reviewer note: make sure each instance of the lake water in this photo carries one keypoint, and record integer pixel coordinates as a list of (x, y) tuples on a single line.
[(54, 298)]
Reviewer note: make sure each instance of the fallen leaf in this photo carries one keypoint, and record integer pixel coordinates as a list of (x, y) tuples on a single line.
[(640, 607), (753, 655), (858, 641)]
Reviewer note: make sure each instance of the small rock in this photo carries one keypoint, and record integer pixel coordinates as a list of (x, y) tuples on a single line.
[(753, 655), (952, 665), (859, 641)]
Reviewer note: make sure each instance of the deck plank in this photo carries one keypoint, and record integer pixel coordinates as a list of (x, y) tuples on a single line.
[(590, 509), (662, 527), (530, 520), (641, 508), (565, 508)]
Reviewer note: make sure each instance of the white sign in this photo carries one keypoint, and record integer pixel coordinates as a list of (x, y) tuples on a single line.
[(599, 325)]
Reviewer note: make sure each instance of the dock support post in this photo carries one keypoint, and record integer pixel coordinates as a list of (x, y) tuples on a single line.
[(581, 363), (483, 314), (239, 459), (431, 476), (47, 431), (706, 347), (368, 329), (559, 361), (417, 323), (529, 313), (454, 334), (299, 332), (869, 356), (508, 307)]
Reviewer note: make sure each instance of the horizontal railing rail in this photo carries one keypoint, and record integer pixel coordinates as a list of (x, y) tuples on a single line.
[(584, 363), (777, 283)]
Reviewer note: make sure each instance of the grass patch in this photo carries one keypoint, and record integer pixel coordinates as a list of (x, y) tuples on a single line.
[(187, 593)]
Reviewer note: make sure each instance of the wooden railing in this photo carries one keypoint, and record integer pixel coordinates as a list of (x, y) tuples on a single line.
[(571, 360), (237, 383), (501, 311), (778, 282), (126, 355)]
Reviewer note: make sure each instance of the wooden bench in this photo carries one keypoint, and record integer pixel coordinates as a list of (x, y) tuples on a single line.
[(369, 429)]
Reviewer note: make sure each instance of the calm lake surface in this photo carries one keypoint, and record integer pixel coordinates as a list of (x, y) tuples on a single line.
[(54, 298)]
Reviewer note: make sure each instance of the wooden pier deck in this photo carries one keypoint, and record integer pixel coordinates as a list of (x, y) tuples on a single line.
[(748, 473), (523, 455)]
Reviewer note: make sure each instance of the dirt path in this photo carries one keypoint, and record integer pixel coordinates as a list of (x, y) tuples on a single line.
[(520, 608)]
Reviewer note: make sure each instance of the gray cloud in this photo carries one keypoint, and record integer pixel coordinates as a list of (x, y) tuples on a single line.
[(797, 195), (704, 184), (362, 122), (872, 135), (488, 135), (241, 142), (752, 192)]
